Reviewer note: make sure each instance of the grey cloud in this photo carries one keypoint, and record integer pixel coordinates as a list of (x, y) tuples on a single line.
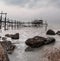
[(34, 3), (55, 3)]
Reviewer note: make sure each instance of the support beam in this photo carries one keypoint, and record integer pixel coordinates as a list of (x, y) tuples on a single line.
[(5, 18)]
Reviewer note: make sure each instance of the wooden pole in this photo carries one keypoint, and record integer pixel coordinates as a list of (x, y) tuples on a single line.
[(46, 25), (1, 20), (5, 20)]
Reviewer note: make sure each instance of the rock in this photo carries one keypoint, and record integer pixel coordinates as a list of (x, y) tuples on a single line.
[(50, 32), (3, 54), (13, 36), (8, 35), (8, 46), (11, 49), (38, 41), (29, 49), (16, 36), (4, 38), (58, 32), (37, 37), (0, 36), (49, 40), (52, 54), (35, 42)]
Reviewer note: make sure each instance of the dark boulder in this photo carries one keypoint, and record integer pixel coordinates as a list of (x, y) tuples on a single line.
[(8, 46), (50, 32), (13, 36), (35, 42), (38, 41), (58, 32), (0, 36), (49, 40)]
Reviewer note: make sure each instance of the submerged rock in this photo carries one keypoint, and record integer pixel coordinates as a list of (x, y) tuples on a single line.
[(13, 36), (29, 49), (3, 54), (8, 35), (4, 38), (8, 46), (49, 40), (50, 32), (58, 32), (37, 41)]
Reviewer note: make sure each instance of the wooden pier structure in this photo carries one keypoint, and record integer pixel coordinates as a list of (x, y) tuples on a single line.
[(14, 24)]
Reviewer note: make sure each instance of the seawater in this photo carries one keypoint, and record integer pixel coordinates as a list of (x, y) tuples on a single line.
[(35, 54)]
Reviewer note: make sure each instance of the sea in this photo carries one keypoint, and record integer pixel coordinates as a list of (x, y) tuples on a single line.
[(25, 53)]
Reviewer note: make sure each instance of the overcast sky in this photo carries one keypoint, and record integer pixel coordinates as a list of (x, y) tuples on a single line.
[(27, 10)]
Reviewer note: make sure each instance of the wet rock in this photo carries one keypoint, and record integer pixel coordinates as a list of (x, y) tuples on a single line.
[(13, 36), (16, 36), (50, 32), (0, 36), (35, 42), (4, 38), (29, 49), (38, 37), (58, 32), (8, 46), (38, 41), (3, 54), (49, 40), (52, 54), (8, 35), (11, 49)]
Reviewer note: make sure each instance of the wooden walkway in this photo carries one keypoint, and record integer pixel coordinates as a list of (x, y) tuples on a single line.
[(14, 24)]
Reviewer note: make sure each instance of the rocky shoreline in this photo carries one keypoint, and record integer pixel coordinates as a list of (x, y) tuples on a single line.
[(52, 54), (7, 47), (3, 54)]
